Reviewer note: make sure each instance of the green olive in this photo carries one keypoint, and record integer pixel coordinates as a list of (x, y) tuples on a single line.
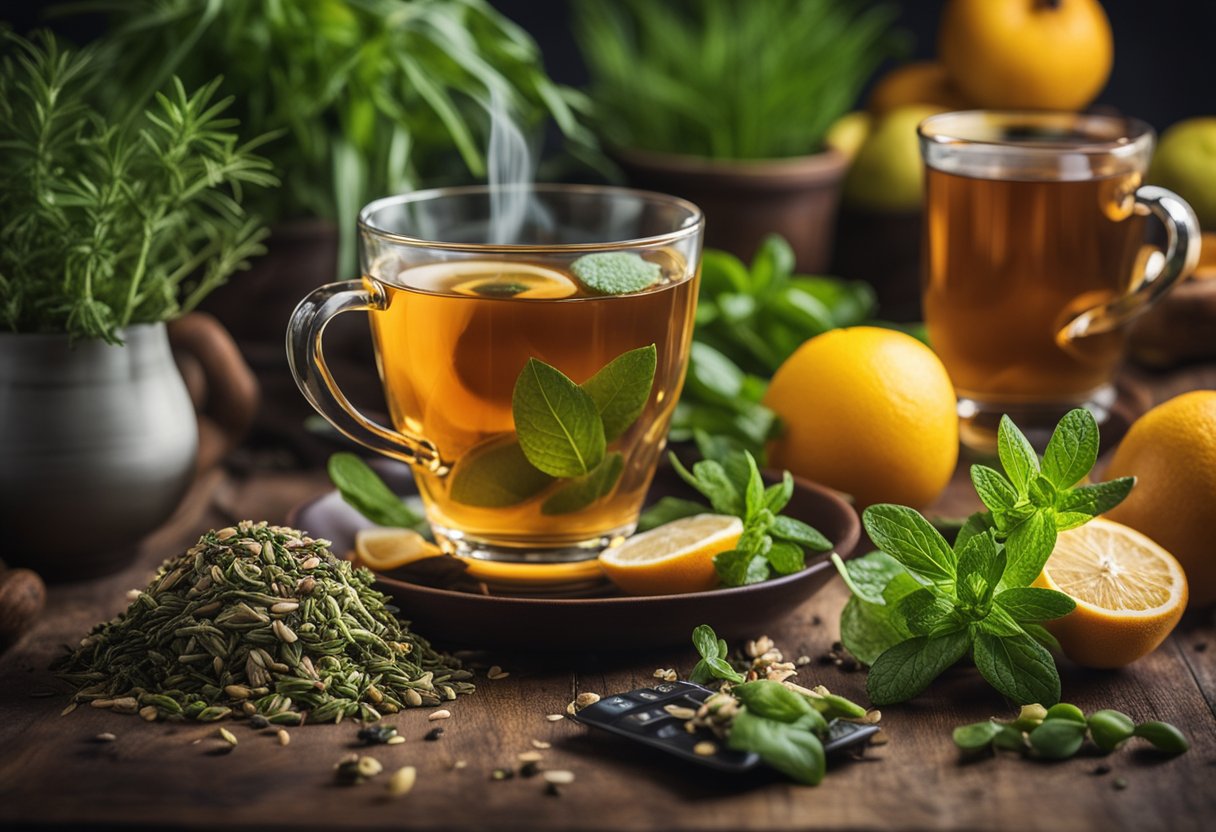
[(1110, 728), (1163, 736), (1057, 739), (1066, 711)]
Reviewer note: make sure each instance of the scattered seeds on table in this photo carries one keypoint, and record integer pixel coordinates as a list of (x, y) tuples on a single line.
[(258, 722), (376, 734), (102, 703), (1100, 769), (442, 713), (71, 707), (502, 774), (284, 737), (667, 674), (433, 734), (705, 749), (227, 736), (1120, 784), (459, 764), (680, 712), (879, 738), (149, 713), (402, 781), (397, 740), (550, 717), (496, 672), (802, 661), (105, 737), (530, 756), (559, 777), (541, 744)]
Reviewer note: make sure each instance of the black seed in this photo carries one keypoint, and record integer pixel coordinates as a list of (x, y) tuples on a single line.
[(529, 769), (827, 658), (850, 665), (258, 721), (1099, 770), (377, 734), (837, 646), (552, 790), (1201, 646), (1119, 783), (816, 620), (433, 734)]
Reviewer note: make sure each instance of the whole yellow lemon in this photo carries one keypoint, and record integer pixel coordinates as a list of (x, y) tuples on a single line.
[(1027, 54), (1171, 451), (867, 411)]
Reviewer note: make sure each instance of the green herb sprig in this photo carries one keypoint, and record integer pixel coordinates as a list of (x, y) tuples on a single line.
[(1059, 732), (919, 604), (105, 221)]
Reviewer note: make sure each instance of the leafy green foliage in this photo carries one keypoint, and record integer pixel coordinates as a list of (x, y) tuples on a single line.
[(370, 96), (713, 663), (107, 221), (770, 542), (1059, 732), (758, 317), (362, 488), (615, 272), (726, 79), (920, 604)]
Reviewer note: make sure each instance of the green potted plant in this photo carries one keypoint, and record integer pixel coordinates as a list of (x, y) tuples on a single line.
[(108, 229), (727, 103)]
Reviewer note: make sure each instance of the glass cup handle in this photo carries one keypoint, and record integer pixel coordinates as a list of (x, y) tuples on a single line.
[(316, 382), (1181, 257)]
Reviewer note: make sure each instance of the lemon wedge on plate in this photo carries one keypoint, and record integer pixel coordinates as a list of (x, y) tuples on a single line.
[(674, 558), (381, 550)]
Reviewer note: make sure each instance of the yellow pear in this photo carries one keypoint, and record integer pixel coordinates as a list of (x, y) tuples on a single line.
[(848, 133), (1186, 163), (887, 174)]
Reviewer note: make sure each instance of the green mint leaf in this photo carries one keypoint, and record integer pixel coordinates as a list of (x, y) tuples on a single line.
[(773, 700), (868, 575), (753, 493), (1033, 604), (738, 567), (1095, 499), (1072, 450), (615, 272), (867, 629), (621, 389), (495, 474), (1028, 547), (977, 523), (909, 538), (998, 622), (667, 510), (722, 670), (362, 488), (1019, 667), (1042, 493), (772, 264), (1070, 520), (777, 497), (994, 490), (928, 614), (786, 558), (1017, 455), (577, 494), (723, 648), (710, 479), (706, 641), (909, 667), (980, 567), (557, 423), (795, 752), (795, 531), (700, 673), (1041, 634), (976, 736), (899, 586)]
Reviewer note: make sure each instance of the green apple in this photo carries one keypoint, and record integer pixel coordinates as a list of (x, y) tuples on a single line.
[(848, 133), (887, 173), (1186, 163)]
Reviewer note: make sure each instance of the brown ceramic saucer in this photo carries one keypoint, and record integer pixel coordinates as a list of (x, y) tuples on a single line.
[(611, 621)]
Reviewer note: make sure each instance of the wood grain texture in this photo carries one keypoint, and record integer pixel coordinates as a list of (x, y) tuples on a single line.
[(54, 774)]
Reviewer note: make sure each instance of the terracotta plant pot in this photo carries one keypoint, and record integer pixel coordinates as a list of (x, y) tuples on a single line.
[(745, 200)]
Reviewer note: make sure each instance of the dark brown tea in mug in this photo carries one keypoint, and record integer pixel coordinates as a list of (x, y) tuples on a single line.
[(1009, 262)]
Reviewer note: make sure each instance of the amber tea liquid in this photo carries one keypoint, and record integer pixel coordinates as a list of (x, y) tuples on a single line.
[(452, 342)]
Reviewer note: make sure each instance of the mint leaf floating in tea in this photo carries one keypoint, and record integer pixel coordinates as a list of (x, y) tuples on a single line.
[(621, 389), (923, 604), (616, 272), (496, 474), (266, 620), (576, 494), (363, 489), (557, 422)]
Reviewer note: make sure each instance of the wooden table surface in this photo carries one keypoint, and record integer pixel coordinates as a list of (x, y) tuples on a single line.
[(54, 773)]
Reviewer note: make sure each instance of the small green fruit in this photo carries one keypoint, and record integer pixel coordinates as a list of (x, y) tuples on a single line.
[(887, 174), (848, 133), (1186, 163), (1066, 711), (1057, 739), (1030, 717), (1110, 728), (1163, 736)]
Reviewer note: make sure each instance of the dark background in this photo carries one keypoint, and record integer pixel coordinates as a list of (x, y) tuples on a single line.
[(1165, 50)]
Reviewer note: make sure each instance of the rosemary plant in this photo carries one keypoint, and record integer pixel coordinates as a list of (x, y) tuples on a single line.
[(108, 222)]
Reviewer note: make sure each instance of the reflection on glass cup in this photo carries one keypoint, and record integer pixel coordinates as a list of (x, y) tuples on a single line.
[(1035, 259), (457, 323)]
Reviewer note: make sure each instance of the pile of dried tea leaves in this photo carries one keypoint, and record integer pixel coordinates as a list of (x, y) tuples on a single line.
[(260, 621)]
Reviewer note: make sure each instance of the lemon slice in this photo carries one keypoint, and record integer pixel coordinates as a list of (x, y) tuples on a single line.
[(384, 549), (491, 279), (674, 558), (1130, 593)]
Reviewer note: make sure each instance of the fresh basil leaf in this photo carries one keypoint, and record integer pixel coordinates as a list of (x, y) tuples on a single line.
[(615, 272), (850, 302), (977, 523), (667, 510), (868, 575), (1032, 603), (772, 264), (1019, 667), (1095, 499), (495, 474), (1041, 634), (577, 494), (867, 629), (908, 537), (621, 389), (928, 614), (722, 272), (797, 753), (737, 567), (1028, 547), (909, 667), (786, 558), (1017, 455), (1072, 450), (753, 492), (777, 497), (976, 736), (772, 700), (993, 489), (557, 423), (980, 567), (712, 374), (795, 531), (804, 312), (706, 641), (362, 488), (722, 670)]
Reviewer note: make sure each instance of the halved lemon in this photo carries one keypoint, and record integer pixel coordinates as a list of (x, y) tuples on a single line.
[(674, 558), (1130, 593), (383, 549)]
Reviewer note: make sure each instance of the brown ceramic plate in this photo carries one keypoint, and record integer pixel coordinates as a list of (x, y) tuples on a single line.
[(609, 622)]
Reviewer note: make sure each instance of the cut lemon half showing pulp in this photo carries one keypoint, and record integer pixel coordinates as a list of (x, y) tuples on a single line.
[(383, 549), (674, 558), (1130, 593)]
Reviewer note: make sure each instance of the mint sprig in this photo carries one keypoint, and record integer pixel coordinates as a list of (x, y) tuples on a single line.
[(770, 542), (713, 663), (919, 604)]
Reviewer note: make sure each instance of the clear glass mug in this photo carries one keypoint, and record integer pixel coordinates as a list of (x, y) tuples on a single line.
[(1035, 260), (455, 322)]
